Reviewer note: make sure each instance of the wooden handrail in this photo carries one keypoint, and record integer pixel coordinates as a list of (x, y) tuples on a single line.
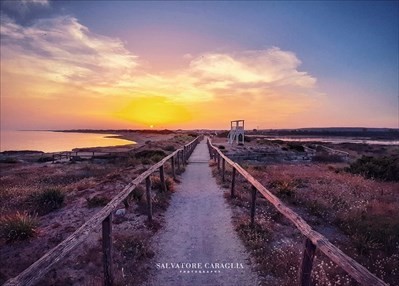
[(349, 265), (38, 269)]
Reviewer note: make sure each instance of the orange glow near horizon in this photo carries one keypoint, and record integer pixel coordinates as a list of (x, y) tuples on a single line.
[(154, 111), (74, 78)]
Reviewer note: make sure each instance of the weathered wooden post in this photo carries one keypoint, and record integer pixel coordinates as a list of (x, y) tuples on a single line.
[(185, 155), (173, 167), (148, 194), (253, 204), (307, 263), (223, 169), (178, 160), (107, 251), (218, 155), (162, 177), (233, 182)]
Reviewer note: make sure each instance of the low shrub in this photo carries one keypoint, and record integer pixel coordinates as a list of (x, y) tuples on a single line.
[(134, 247), (47, 200), (382, 168), (170, 148), (296, 147), (223, 134), (330, 158), (45, 159), (137, 194), (370, 231), (8, 160), (156, 158), (97, 201), (285, 189), (221, 147), (17, 227), (149, 153), (157, 185)]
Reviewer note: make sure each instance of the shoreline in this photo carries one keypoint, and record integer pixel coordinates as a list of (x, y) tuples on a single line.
[(136, 139)]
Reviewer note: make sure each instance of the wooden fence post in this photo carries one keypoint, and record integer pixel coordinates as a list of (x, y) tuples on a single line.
[(253, 204), (178, 160), (148, 193), (173, 167), (162, 177), (218, 155), (184, 155), (107, 251), (307, 263), (233, 181), (223, 169)]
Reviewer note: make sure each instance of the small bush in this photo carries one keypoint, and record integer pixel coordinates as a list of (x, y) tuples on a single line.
[(285, 189), (97, 201), (156, 184), (137, 194), (17, 227), (136, 247), (296, 147), (169, 148), (156, 158), (255, 236), (221, 147), (145, 161), (47, 200), (383, 168)]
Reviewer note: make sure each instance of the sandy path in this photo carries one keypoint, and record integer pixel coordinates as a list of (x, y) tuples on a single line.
[(198, 229)]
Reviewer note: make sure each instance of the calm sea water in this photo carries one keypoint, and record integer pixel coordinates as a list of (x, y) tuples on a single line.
[(336, 140), (48, 141)]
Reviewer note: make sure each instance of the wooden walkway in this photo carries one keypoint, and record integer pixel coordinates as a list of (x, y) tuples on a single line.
[(198, 245), (199, 234)]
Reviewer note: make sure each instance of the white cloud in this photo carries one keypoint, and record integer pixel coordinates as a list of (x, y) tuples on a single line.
[(63, 50), (272, 66), (62, 54)]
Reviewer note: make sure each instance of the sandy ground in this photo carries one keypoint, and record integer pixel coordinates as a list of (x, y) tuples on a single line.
[(139, 139), (198, 229), (79, 181)]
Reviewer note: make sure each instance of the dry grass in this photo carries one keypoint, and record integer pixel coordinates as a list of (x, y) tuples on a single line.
[(19, 226), (86, 183), (361, 213)]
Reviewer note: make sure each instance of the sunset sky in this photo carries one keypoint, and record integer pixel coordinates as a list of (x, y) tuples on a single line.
[(127, 64)]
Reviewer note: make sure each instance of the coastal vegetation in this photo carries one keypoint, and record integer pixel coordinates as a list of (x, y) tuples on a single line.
[(18, 226), (42, 203), (379, 168), (353, 202)]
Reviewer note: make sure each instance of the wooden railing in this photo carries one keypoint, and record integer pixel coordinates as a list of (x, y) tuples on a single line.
[(37, 270), (313, 240)]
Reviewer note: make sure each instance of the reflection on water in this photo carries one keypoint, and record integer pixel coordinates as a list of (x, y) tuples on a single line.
[(48, 141), (336, 140)]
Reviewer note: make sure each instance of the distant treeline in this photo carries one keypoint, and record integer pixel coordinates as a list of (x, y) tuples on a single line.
[(344, 132)]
